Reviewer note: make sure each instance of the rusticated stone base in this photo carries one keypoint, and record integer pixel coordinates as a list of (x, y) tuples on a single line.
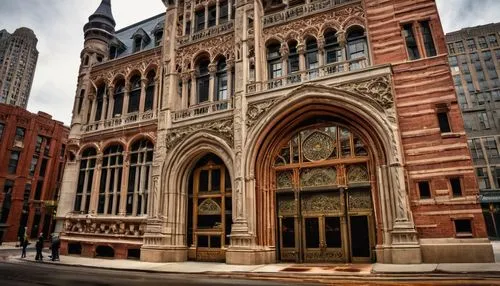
[(401, 254), (241, 256), (164, 254), (452, 250)]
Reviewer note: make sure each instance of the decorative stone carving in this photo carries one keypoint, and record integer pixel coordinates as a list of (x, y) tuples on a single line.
[(222, 128), (360, 200), (338, 20), (318, 177), (223, 45), (284, 179), (286, 206), (378, 89), (209, 207), (314, 203), (318, 146), (357, 174), (257, 109), (115, 227)]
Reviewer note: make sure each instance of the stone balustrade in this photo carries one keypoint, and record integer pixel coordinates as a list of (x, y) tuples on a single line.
[(201, 109), (119, 121), (301, 11), (308, 75), (206, 33)]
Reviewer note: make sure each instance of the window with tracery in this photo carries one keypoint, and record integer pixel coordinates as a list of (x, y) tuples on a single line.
[(356, 46), (274, 61), (293, 57), (150, 91), (221, 81), (203, 80), (118, 98), (139, 180), (333, 52), (135, 94), (111, 179), (85, 179)]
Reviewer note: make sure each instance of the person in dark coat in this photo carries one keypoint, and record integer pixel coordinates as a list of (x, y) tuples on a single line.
[(55, 244), (24, 242), (39, 247)]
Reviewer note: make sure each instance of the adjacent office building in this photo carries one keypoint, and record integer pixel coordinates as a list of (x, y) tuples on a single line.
[(18, 58), (474, 55)]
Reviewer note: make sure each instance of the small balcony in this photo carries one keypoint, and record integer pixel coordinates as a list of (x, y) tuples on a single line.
[(206, 33), (120, 121), (204, 109), (296, 12), (309, 75)]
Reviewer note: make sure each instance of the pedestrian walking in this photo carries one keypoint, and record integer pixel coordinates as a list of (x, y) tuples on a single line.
[(24, 242), (39, 247), (55, 244)]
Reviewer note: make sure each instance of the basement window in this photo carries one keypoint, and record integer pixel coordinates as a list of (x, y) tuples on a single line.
[(463, 227)]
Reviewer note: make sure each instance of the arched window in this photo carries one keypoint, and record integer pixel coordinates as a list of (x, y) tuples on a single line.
[(85, 178), (356, 46), (101, 90), (135, 94), (333, 52), (139, 179), (150, 91), (203, 80), (111, 179), (293, 57), (221, 81), (311, 54), (119, 93), (274, 65)]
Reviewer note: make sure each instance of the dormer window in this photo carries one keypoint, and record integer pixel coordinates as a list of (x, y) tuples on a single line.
[(137, 44), (158, 33), (113, 52), (116, 47), (141, 40)]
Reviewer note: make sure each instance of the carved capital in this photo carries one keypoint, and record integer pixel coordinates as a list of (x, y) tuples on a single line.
[(212, 68)]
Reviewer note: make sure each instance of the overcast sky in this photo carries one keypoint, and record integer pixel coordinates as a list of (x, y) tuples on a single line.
[(58, 25)]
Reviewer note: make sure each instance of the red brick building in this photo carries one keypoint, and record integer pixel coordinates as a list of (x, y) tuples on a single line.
[(32, 148)]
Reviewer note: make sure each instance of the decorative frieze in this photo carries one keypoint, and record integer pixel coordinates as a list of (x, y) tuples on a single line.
[(108, 227), (222, 128), (379, 89)]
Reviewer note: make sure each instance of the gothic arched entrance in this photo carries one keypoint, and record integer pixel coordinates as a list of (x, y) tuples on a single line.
[(209, 210), (323, 196)]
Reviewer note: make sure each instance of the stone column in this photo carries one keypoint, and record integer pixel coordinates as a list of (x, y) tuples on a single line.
[(192, 96), (94, 195), (301, 49), (111, 96), (284, 58), (230, 9), (122, 210), (156, 94), (104, 110), (321, 54), (185, 81), (212, 69), (93, 110), (343, 43), (217, 12), (126, 98), (230, 65), (206, 15), (142, 99)]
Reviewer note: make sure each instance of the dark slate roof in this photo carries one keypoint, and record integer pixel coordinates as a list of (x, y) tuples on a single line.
[(104, 10), (126, 34)]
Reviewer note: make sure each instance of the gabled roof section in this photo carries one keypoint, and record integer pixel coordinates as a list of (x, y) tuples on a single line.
[(126, 35), (142, 34)]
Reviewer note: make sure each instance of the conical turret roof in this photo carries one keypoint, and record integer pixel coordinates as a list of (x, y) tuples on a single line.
[(103, 12)]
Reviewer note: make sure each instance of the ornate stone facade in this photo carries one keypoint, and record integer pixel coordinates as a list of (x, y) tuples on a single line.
[(269, 119)]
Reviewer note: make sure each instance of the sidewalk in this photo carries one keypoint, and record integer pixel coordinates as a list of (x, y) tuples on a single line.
[(12, 246), (283, 270)]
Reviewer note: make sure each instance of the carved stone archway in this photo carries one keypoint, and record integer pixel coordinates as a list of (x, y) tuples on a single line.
[(370, 114), (165, 238)]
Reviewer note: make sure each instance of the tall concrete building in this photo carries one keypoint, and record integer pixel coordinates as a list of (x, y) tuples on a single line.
[(474, 55), (18, 58), (253, 132)]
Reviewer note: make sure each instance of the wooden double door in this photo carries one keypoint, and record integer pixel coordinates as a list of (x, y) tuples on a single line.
[(324, 226)]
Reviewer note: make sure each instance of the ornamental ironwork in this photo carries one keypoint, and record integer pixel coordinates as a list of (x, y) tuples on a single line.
[(318, 177)]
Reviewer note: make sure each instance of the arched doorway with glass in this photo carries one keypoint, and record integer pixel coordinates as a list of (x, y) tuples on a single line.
[(323, 198), (209, 210)]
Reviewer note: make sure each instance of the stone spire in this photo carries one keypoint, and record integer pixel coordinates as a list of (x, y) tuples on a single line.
[(101, 24)]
